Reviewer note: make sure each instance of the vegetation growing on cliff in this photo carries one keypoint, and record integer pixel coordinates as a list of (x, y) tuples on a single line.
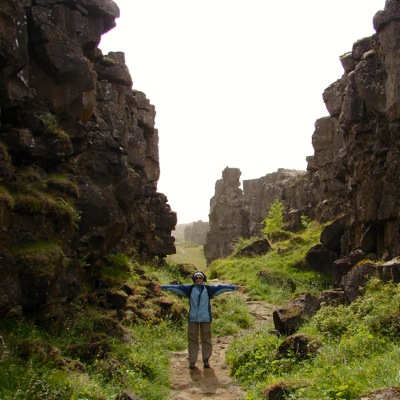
[(94, 357), (91, 356)]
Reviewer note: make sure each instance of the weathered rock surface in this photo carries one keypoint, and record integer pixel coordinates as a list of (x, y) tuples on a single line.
[(352, 177), (299, 346), (235, 213), (320, 259), (228, 218), (196, 232), (390, 393), (79, 161), (290, 317), (355, 280), (260, 194), (257, 248)]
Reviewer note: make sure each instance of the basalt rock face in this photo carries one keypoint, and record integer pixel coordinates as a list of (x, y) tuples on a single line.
[(196, 232), (354, 173), (235, 213), (228, 218), (79, 161), (355, 170), (260, 194)]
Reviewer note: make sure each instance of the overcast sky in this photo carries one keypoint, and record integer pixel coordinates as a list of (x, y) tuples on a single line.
[(235, 83)]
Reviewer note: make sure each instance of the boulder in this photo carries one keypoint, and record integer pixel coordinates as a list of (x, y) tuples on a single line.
[(387, 393), (332, 234), (299, 347), (332, 297), (257, 248), (277, 391), (319, 258), (355, 280), (390, 270), (289, 318)]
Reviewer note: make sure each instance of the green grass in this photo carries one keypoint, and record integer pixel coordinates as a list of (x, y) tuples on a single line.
[(36, 366), (188, 252), (33, 193), (276, 276), (140, 366), (358, 351), (230, 314), (357, 346)]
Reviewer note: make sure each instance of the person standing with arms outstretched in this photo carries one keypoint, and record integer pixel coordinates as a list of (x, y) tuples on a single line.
[(200, 316)]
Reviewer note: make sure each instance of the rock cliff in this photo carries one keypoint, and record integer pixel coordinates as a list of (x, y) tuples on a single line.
[(196, 232), (354, 173), (237, 213), (79, 158), (228, 218)]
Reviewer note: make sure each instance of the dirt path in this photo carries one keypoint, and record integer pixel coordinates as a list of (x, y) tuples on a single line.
[(214, 383)]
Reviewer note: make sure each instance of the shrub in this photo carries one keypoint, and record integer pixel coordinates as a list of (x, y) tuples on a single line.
[(274, 221)]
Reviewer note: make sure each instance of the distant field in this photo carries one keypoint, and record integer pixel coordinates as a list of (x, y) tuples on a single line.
[(188, 252)]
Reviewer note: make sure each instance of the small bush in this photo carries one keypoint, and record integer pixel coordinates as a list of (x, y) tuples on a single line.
[(274, 221)]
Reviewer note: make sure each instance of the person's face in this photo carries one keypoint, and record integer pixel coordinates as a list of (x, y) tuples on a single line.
[(198, 279)]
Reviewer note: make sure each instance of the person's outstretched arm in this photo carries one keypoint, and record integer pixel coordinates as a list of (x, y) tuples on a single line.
[(182, 290), (218, 289)]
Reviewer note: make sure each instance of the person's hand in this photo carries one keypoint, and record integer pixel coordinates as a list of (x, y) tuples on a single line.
[(157, 288), (241, 288)]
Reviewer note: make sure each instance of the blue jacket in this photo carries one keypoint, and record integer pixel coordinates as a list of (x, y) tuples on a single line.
[(199, 298)]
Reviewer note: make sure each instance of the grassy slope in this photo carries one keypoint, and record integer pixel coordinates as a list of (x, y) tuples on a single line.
[(187, 252), (358, 345)]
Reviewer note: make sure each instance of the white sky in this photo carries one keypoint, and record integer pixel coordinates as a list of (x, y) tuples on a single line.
[(235, 83)]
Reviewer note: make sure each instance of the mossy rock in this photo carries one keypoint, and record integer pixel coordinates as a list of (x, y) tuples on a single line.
[(41, 259), (186, 270)]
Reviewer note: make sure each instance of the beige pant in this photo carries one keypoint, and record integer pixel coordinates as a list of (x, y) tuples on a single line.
[(204, 328)]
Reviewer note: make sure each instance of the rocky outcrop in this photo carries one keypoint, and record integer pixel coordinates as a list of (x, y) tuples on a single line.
[(299, 347), (257, 248), (354, 172), (259, 195), (289, 318), (179, 232), (228, 218), (79, 161), (196, 232), (358, 176), (235, 213)]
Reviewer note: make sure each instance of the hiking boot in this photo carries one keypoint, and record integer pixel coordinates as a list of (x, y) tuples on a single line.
[(192, 365), (206, 363)]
